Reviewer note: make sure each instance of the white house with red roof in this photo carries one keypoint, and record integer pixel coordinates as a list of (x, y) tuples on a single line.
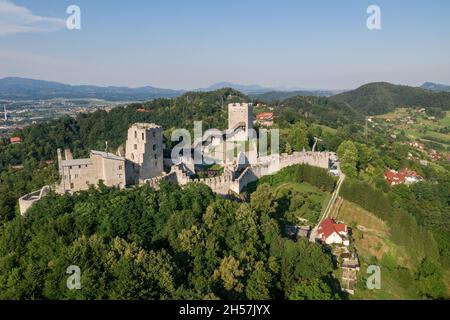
[(331, 232)]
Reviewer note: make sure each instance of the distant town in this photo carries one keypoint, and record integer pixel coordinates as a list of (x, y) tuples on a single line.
[(19, 114)]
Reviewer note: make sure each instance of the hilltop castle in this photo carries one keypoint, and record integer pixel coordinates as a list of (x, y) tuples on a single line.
[(144, 162)]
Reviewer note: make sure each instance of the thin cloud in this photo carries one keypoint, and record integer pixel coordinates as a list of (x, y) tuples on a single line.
[(15, 19)]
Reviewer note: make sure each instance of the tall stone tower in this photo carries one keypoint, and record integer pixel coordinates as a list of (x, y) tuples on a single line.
[(240, 115), (144, 152)]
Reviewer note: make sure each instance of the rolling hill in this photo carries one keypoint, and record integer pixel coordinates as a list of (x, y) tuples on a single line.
[(282, 95), (244, 88), (381, 97), (435, 87), (319, 109), (268, 93)]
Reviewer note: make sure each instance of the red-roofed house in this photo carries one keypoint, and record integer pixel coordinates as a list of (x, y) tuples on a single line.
[(15, 140), (265, 119), (393, 177), (403, 176), (331, 232)]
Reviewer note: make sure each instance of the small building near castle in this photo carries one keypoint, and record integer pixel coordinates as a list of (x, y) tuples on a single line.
[(331, 232)]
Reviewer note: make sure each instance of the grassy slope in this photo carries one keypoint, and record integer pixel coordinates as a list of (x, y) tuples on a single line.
[(320, 196), (372, 239)]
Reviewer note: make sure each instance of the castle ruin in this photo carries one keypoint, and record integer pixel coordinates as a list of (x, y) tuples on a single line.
[(144, 162)]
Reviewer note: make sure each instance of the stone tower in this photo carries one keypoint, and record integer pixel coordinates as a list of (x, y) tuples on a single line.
[(144, 152), (240, 115)]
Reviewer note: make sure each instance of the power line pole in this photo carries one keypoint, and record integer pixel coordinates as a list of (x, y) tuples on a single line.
[(4, 108)]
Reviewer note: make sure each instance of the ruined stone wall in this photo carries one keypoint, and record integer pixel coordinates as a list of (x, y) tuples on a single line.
[(272, 164), (265, 166), (28, 200), (220, 185)]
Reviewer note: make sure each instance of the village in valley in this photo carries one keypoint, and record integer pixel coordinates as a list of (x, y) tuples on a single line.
[(424, 134)]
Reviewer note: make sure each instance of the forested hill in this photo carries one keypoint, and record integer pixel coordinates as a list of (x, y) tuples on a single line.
[(282, 95), (437, 87), (382, 97), (318, 109)]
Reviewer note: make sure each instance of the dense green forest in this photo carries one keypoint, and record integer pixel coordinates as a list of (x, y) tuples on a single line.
[(168, 244)]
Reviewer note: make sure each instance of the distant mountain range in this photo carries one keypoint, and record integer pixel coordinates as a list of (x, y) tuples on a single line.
[(436, 87), (13, 88), (268, 93), (372, 98), (29, 89)]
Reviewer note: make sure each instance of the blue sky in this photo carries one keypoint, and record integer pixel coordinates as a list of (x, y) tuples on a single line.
[(190, 44)]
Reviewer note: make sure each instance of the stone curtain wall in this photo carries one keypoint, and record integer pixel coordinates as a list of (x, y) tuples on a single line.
[(265, 166), (272, 164)]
